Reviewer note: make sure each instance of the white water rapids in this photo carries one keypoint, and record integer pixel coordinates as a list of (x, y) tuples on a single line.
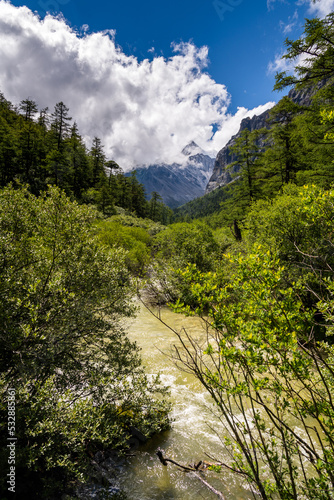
[(194, 427)]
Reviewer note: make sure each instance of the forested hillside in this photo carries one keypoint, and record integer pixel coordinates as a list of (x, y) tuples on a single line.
[(39, 148)]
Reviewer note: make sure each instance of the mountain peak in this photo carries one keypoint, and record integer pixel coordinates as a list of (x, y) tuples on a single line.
[(191, 149)]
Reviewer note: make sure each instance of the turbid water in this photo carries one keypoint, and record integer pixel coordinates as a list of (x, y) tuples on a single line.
[(195, 429)]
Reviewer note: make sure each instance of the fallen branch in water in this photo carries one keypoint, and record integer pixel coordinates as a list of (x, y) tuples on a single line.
[(194, 470), (165, 460)]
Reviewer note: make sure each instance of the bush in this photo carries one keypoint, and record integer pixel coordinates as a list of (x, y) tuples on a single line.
[(135, 240), (78, 379), (193, 243)]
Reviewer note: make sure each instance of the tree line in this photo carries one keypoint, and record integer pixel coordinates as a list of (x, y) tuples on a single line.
[(39, 148)]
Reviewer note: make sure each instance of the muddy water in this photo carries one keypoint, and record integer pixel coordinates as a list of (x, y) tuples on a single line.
[(194, 428)]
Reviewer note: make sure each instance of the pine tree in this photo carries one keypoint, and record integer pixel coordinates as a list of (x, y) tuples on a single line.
[(98, 160), (57, 161), (78, 163), (138, 201), (155, 206), (28, 137), (59, 124), (282, 158), (29, 108)]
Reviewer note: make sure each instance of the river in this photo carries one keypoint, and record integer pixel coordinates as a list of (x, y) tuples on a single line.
[(194, 428)]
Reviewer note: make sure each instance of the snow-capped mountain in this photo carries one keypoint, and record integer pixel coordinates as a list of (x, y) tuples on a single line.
[(178, 183)]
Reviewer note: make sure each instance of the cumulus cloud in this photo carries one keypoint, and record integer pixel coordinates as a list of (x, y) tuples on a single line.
[(319, 8), (144, 111), (231, 124)]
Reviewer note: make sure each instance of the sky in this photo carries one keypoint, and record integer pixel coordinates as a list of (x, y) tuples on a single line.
[(150, 77)]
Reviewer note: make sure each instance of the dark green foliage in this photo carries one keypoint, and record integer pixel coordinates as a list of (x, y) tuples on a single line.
[(98, 160), (157, 211), (49, 150), (281, 159), (317, 44), (78, 379)]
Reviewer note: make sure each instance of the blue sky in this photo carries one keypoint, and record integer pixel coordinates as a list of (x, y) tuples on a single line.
[(243, 36), (226, 51)]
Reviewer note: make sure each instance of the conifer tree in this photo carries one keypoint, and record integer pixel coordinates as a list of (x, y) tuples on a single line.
[(246, 187), (281, 159), (138, 200), (155, 206), (98, 160), (59, 124), (28, 137), (78, 163), (316, 45), (57, 161)]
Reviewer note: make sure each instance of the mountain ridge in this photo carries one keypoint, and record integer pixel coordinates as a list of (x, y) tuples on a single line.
[(178, 183)]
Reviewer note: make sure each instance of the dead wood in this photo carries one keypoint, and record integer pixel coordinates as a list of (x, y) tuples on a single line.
[(195, 471)]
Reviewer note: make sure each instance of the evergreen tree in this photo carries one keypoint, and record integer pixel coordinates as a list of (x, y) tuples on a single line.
[(138, 201), (247, 185), (154, 206), (28, 137), (98, 160), (59, 123), (29, 109), (57, 161), (282, 157), (316, 45), (78, 163)]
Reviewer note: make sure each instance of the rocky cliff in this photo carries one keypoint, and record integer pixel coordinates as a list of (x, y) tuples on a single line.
[(221, 175), (178, 183)]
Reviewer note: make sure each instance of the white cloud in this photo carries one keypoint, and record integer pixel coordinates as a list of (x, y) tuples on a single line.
[(289, 26), (287, 65), (231, 123), (144, 112), (279, 64), (320, 8)]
